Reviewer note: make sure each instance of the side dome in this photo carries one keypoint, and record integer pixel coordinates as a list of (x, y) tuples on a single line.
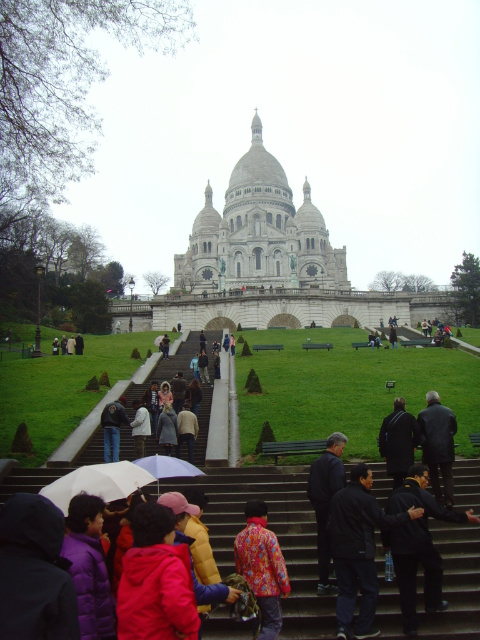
[(208, 220), (308, 217)]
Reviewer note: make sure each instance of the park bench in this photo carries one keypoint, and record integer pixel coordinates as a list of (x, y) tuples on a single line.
[(358, 345), (267, 347), (313, 345), (303, 447), (247, 329), (277, 327), (419, 446), (475, 439), (417, 343)]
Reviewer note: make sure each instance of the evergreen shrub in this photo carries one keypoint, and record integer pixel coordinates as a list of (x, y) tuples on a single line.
[(104, 381), (136, 354), (21, 442), (249, 378), (266, 435), (93, 384), (254, 386), (447, 343), (241, 339), (246, 350)]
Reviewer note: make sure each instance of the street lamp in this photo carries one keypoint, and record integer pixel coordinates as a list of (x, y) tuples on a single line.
[(131, 285), (38, 336)]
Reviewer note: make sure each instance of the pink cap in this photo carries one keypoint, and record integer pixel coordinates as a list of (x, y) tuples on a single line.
[(178, 503)]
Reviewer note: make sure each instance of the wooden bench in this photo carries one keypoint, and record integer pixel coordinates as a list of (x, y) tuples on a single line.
[(419, 446), (313, 345), (417, 343), (267, 347), (304, 447), (475, 439), (358, 345)]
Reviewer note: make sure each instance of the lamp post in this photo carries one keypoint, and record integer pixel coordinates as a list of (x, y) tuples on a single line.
[(131, 285), (37, 353)]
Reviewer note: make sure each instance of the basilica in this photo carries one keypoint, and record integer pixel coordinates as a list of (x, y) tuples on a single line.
[(261, 241)]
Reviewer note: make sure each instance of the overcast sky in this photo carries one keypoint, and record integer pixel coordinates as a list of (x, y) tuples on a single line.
[(376, 101)]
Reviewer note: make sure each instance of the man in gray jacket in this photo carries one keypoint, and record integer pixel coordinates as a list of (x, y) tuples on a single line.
[(438, 425)]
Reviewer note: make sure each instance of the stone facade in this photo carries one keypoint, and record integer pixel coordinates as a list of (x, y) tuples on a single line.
[(261, 240)]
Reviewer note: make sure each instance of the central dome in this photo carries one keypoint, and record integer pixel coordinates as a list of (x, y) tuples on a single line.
[(257, 165)]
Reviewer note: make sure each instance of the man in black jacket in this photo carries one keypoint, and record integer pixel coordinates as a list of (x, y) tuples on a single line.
[(354, 513), (413, 544), (398, 439), (37, 598), (327, 476), (438, 425), (113, 416)]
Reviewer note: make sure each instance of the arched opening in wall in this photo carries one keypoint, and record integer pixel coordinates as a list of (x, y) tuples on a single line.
[(239, 222), (256, 225), (269, 218), (278, 221), (232, 226), (218, 324), (277, 268), (344, 320), (239, 270), (285, 320)]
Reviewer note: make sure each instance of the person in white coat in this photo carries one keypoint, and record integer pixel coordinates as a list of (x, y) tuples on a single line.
[(140, 428)]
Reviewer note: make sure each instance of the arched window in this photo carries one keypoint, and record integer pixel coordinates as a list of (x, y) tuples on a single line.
[(239, 270), (285, 222), (269, 218), (256, 226), (239, 222), (312, 242), (308, 244), (277, 267), (209, 247), (204, 247), (232, 227), (258, 258), (278, 221)]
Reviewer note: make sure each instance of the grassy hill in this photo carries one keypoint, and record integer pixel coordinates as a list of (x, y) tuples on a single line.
[(308, 395), (305, 394)]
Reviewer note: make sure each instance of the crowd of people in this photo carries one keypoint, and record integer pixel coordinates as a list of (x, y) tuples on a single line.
[(347, 515)]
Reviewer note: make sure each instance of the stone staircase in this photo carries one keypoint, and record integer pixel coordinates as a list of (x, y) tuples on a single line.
[(165, 370), (307, 616)]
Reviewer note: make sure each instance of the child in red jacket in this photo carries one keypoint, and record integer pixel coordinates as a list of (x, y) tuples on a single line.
[(155, 596)]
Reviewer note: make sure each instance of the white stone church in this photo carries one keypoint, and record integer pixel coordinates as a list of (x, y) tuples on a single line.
[(261, 241)]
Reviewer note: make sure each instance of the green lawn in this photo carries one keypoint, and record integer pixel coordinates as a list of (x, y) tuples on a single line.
[(308, 395), (305, 394), (48, 393)]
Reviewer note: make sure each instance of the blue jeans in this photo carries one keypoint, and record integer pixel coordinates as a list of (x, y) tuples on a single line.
[(189, 438), (351, 574), (394, 345), (111, 440), (271, 609)]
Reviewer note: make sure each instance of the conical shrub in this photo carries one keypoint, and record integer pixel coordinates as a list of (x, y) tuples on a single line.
[(136, 354), (149, 353), (254, 386), (246, 350), (21, 442), (104, 380), (93, 384), (241, 339), (459, 334), (266, 435), (447, 343), (249, 378)]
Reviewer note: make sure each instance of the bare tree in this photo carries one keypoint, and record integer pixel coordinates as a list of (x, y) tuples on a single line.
[(155, 281), (388, 281), (56, 239), (419, 283), (86, 251), (47, 128)]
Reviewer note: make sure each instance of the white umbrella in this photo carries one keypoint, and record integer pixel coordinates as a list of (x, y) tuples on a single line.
[(157, 341), (110, 481), (168, 467)]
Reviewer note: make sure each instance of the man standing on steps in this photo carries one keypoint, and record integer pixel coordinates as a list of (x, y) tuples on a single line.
[(112, 417), (203, 367), (178, 387), (354, 514), (327, 476), (413, 544), (438, 425), (150, 399), (399, 437)]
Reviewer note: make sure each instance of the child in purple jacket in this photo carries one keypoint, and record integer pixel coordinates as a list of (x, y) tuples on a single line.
[(82, 547)]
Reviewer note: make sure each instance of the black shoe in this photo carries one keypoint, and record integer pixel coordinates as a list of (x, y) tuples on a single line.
[(442, 607), (342, 634)]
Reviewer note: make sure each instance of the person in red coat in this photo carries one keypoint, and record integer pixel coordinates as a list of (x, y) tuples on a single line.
[(155, 596)]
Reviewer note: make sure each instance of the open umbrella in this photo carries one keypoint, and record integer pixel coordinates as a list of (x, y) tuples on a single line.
[(168, 467), (110, 481), (157, 341)]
